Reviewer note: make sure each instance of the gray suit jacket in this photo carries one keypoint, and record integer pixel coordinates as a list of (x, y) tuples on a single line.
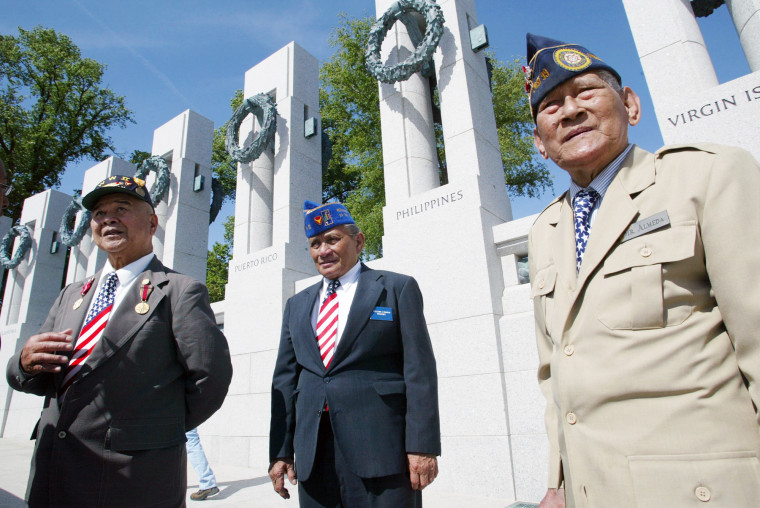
[(117, 437), (381, 387)]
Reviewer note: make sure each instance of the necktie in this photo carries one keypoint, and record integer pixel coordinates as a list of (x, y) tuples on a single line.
[(327, 323), (582, 206), (94, 324)]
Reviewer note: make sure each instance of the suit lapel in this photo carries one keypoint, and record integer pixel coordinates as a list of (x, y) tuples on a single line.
[(75, 317), (302, 319), (124, 321), (564, 243), (368, 292)]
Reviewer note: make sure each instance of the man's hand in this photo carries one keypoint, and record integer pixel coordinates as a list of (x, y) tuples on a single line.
[(554, 498), (423, 468), (40, 353), (277, 471)]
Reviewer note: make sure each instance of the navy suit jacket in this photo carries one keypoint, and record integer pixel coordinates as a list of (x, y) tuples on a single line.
[(381, 387)]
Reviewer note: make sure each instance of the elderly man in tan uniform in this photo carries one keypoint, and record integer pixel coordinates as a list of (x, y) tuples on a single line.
[(646, 280)]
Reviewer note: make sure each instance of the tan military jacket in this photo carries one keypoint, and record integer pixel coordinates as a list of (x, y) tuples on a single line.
[(650, 355)]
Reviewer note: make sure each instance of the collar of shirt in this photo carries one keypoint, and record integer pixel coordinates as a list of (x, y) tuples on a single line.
[(346, 291), (349, 278), (602, 181), (127, 276)]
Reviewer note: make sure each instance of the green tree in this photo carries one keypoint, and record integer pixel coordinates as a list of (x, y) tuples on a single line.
[(222, 165), (523, 173), (218, 260), (53, 110), (349, 105)]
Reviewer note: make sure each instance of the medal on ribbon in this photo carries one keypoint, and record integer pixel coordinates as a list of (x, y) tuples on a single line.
[(145, 290), (85, 289)]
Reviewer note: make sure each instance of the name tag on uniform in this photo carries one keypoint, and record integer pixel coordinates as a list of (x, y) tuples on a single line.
[(656, 221), (382, 314)]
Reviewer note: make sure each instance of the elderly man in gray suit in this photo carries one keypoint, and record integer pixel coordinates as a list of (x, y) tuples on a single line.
[(354, 394), (127, 361)]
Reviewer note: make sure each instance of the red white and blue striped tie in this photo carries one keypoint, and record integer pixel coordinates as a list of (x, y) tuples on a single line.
[(94, 324), (327, 323)]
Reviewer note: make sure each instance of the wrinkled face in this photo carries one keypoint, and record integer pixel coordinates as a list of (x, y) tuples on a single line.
[(123, 226), (582, 125), (335, 252)]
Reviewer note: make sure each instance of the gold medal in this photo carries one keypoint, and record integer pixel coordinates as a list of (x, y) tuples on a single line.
[(142, 308), (78, 303)]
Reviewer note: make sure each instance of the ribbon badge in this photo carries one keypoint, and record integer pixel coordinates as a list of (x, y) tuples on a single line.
[(145, 290)]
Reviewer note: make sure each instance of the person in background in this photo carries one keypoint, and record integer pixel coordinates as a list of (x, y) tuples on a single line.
[(355, 389)]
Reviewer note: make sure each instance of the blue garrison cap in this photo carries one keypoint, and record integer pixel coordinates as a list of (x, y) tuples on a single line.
[(552, 62), (319, 218)]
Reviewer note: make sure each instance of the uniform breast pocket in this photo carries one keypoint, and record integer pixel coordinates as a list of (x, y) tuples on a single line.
[(631, 292), (542, 292)]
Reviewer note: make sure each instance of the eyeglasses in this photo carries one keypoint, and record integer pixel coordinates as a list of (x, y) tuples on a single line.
[(6, 189)]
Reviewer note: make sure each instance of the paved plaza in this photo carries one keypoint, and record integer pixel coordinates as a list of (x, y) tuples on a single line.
[(240, 487)]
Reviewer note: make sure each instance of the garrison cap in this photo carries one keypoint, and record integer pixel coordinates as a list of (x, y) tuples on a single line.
[(552, 62), (319, 218)]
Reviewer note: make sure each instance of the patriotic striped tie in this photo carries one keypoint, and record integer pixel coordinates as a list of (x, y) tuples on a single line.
[(327, 323), (92, 330)]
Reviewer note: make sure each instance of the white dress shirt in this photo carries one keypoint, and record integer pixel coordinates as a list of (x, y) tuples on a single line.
[(126, 275), (345, 293)]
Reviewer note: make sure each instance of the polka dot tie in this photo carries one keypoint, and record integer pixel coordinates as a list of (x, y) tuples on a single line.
[(583, 204)]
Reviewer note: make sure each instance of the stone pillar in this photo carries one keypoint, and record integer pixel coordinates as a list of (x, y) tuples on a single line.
[(85, 259), (411, 167), (253, 214), (463, 284), (31, 289), (690, 105), (671, 47), (181, 241), (746, 16), (262, 273)]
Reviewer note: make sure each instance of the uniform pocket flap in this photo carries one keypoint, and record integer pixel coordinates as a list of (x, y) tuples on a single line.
[(544, 283), (664, 246), (390, 387), (146, 433), (726, 479)]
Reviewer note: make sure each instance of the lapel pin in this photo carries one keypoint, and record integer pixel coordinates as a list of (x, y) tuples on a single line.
[(85, 288)]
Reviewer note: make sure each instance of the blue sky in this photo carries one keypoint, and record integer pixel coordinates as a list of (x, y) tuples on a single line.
[(168, 56)]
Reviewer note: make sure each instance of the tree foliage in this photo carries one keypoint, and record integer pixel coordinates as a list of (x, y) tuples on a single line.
[(222, 165), (53, 110), (523, 173), (218, 260), (349, 105)]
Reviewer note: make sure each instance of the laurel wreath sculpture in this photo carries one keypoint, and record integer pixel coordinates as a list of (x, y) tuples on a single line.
[(24, 243), (424, 47), (265, 110), (70, 235), (159, 166)]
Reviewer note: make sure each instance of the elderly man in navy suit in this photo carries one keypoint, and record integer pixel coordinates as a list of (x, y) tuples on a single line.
[(354, 393)]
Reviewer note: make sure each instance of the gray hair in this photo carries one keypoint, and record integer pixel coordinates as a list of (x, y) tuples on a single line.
[(611, 80), (352, 230)]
